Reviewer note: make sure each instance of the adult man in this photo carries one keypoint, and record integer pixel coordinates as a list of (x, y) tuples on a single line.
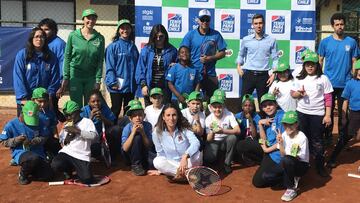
[(254, 57), (57, 46), (339, 52), (205, 63)]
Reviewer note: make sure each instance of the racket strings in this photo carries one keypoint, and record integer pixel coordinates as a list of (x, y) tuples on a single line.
[(204, 181)]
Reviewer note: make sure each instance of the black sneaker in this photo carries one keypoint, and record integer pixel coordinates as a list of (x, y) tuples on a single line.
[(138, 170), (227, 169), (23, 180)]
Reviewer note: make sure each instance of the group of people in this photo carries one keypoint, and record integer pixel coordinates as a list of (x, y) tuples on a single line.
[(178, 129)]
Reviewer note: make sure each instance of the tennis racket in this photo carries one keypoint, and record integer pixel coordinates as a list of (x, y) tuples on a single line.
[(205, 181), (105, 151), (98, 181), (208, 48)]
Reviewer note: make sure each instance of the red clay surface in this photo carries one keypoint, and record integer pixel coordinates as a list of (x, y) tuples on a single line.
[(125, 187)]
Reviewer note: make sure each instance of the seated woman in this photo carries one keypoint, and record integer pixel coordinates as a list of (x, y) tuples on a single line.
[(99, 112), (176, 145)]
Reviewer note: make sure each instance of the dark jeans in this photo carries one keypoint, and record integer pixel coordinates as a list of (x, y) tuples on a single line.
[(52, 145), (33, 164), (312, 127), (66, 163), (209, 85), (268, 174), (292, 168), (250, 148), (138, 154), (118, 100), (254, 80), (212, 149), (336, 95)]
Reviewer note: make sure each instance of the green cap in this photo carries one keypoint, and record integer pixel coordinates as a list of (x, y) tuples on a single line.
[(217, 99), (306, 51), (311, 56), (219, 92), (88, 12), (290, 117), (70, 107), (31, 113), (282, 66), (156, 90), (267, 97), (40, 93), (123, 21), (135, 106), (247, 97), (133, 102), (357, 64), (195, 95)]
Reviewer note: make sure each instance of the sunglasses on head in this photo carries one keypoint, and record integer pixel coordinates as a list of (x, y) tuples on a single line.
[(205, 19)]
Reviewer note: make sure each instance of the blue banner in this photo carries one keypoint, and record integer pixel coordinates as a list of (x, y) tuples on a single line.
[(12, 39)]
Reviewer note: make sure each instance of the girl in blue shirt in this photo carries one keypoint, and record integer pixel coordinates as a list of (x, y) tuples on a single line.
[(121, 59)]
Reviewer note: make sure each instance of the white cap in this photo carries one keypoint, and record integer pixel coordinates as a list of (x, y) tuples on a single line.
[(204, 12)]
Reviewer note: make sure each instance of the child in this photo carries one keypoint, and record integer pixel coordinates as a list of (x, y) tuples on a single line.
[(121, 60), (136, 140), (22, 136), (313, 91), (193, 114), (76, 138), (350, 126), (48, 122), (153, 111), (294, 150), (98, 111), (270, 172), (182, 77), (221, 129), (281, 87), (248, 119)]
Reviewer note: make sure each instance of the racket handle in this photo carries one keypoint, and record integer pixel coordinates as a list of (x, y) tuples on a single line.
[(57, 183), (353, 175)]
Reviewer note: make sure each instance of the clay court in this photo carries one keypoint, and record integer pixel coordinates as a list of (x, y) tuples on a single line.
[(125, 187)]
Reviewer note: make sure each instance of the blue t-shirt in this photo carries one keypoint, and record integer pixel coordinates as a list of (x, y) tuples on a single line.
[(352, 93), (105, 111), (193, 39), (338, 56), (16, 128), (47, 122), (127, 131), (183, 78), (271, 134), (240, 117)]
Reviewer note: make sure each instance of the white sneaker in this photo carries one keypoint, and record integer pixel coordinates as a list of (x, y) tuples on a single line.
[(289, 195), (296, 182)]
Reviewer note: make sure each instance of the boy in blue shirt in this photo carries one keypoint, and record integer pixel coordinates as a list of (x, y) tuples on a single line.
[(136, 140), (22, 136)]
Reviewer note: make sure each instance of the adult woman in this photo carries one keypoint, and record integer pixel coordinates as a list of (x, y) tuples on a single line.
[(154, 61), (35, 66), (121, 59), (177, 147), (83, 62)]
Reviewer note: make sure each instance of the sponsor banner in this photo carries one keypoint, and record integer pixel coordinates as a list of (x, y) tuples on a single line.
[(303, 5), (193, 17), (146, 17), (253, 4), (296, 48), (175, 21), (227, 22), (303, 25), (278, 24), (228, 4), (278, 4), (201, 3), (167, 3), (246, 21), (283, 50), (229, 82), (140, 42), (148, 3), (229, 61)]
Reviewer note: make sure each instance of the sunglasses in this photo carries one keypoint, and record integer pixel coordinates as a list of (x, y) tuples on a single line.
[(205, 19)]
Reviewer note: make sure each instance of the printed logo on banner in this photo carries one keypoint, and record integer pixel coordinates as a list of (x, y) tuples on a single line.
[(227, 23), (278, 24), (304, 24), (143, 44), (298, 51), (201, 0), (146, 17), (174, 22), (226, 82), (253, 1), (303, 2), (229, 52)]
